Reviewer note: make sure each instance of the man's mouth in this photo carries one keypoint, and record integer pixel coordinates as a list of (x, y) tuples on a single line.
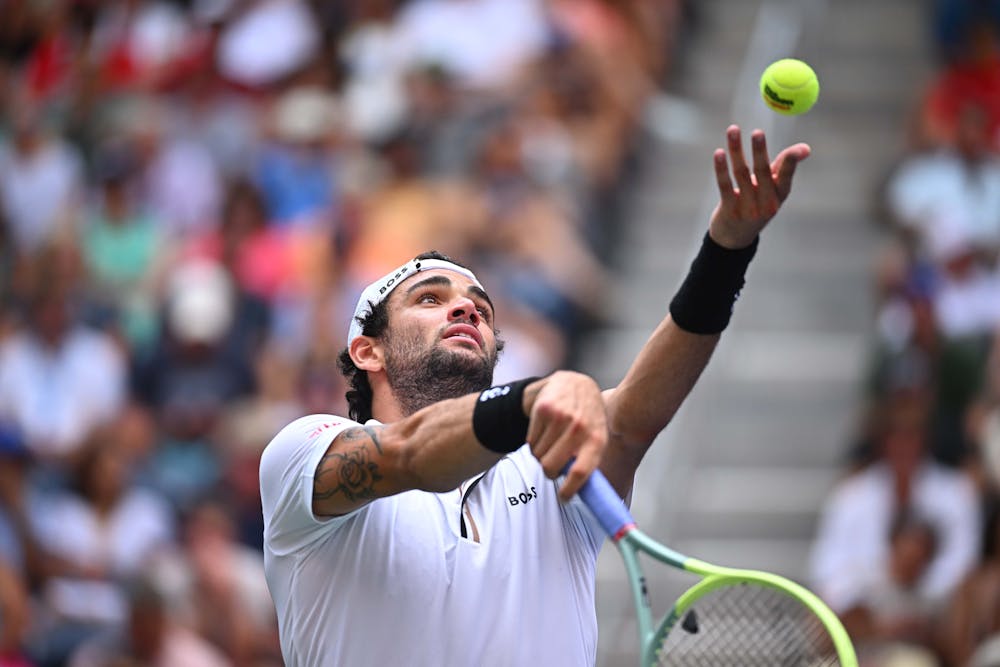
[(464, 332)]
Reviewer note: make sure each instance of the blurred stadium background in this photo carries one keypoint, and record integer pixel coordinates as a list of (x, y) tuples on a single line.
[(193, 191)]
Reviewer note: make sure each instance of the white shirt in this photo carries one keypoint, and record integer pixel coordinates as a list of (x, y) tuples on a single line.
[(395, 583), (39, 190), (67, 526), (853, 536), (57, 395), (482, 42), (947, 203)]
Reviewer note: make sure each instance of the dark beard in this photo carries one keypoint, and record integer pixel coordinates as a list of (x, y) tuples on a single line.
[(420, 380)]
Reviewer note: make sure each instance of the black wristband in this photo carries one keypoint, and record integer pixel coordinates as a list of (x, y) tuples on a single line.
[(498, 420), (704, 303)]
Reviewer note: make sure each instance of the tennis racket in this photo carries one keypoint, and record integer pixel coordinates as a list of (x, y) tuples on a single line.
[(731, 617)]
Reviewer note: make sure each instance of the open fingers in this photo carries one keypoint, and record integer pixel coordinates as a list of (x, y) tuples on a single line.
[(741, 172), (725, 183), (762, 169), (784, 167)]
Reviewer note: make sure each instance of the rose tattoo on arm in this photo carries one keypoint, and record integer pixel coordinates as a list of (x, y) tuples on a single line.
[(350, 471)]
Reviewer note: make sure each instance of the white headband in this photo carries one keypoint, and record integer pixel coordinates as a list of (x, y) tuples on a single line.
[(380, 290)]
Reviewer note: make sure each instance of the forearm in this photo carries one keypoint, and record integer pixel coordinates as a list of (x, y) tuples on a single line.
[(658, 381), (435, 449), (675, 355)]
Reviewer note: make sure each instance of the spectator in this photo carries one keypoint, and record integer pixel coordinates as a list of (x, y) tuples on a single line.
[(136, 44), (375, 103), (248, 424), (219, 583), (58, 379), (409, 210), (289, 270), (856, 519), (892, 616), (103, 530), (267, 41), (201, 363), (557, 275), (972, 77), (973, 617), (124, 249), (297, 169), (951, 21), (256, 253), (482, 43), (41, 181), (180, 180), (950, 195), (947, 207), (443, 122), (151, 638)]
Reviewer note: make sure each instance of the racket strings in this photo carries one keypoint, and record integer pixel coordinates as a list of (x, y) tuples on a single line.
[(748, 625)]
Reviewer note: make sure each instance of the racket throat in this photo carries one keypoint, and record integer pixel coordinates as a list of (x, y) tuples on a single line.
[(690, 622)]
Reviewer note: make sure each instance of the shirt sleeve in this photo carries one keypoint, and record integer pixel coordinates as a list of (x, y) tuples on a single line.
[(950, 501), (847, 547), (287, 468)]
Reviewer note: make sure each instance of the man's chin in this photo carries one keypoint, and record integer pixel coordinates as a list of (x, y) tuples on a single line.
[(463, 362), (445, 371)]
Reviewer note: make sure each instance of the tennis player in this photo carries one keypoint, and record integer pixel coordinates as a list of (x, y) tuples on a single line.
[(434, 526)]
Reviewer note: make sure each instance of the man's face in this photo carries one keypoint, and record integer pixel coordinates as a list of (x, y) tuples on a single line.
[(440, 342)]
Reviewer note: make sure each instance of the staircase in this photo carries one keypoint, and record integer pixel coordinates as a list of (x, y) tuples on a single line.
[(739, 476)]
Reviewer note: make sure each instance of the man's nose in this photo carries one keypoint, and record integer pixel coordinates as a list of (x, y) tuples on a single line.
[(465, 309)]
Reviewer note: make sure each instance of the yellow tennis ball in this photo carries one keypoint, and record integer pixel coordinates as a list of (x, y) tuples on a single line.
[(789, 86)]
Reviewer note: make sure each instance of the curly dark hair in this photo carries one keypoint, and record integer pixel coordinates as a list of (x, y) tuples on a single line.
[(375, 324)]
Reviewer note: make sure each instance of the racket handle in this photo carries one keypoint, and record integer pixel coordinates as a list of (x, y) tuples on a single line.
[(603, 501)]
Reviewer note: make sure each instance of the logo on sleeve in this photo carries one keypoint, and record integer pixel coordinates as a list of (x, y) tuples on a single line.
[(322, 427)]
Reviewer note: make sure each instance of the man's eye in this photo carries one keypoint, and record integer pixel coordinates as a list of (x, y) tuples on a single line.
[(483, 313), (427, 298)]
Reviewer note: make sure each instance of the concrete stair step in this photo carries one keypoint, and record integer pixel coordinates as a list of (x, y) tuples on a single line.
[(747, 525)]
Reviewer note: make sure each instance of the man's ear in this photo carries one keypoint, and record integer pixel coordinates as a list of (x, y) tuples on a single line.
[(367, 354)]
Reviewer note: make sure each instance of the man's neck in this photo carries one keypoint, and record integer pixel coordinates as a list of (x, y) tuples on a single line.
[(385, 407)]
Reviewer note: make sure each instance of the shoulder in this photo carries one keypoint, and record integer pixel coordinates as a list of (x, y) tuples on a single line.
[(92, 345), (860, 486), (306, 429), (947, 484), (310, 427), (300, 437), (15, 347)]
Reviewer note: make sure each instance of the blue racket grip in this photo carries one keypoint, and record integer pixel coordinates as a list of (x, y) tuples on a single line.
[(603, 501)]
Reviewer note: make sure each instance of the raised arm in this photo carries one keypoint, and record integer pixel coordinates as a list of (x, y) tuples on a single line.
[(673, 358), (436, 448)]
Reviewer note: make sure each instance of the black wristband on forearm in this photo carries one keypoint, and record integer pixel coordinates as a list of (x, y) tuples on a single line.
[(498, 420), (704, 303)]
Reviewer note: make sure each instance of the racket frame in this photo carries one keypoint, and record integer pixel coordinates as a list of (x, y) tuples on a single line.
[(604, 502)]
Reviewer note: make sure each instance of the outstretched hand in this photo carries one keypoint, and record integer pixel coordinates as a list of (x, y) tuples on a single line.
[(746, 208)]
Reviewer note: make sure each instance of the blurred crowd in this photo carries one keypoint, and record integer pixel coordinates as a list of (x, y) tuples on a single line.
[(192, 193), (908, 546)]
